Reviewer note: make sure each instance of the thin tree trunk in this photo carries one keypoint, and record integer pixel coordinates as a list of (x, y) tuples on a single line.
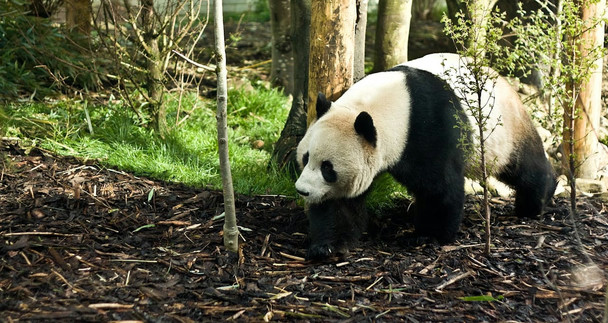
[(282, 56), (480, 11), (154, 76), (78, 15), (392, 33), (360, 27), (332, 50), (588, 102), (231, 231), (284, 154)]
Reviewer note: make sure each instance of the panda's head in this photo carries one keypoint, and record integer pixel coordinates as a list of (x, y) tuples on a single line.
[(336, 155)]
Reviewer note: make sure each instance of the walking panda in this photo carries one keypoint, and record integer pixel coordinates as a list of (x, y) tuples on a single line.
[(412, 122)]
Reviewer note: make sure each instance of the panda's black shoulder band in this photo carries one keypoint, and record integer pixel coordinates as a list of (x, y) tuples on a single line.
[(364, 125)]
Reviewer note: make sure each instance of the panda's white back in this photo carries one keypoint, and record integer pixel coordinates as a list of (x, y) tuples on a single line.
[(503, 110)]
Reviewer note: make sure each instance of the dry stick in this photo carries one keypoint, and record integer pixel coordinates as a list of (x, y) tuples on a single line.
[(231, 232), (451, 280), (34, 233)]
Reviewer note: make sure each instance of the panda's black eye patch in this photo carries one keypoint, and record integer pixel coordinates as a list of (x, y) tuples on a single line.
[(328, 172), (305, 159)]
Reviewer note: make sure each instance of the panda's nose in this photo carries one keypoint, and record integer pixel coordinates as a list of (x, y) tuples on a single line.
[(302, 192)]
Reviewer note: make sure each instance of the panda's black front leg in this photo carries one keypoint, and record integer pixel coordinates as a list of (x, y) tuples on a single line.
[(334, 226)]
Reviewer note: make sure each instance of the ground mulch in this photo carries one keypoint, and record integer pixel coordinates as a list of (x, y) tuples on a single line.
[(82, 242)]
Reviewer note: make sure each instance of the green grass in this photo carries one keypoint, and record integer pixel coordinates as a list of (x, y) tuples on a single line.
[(187, 155)]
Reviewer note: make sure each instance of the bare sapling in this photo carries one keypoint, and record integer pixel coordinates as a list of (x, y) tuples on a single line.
[(231, 231), (476, 42), (142, 37)]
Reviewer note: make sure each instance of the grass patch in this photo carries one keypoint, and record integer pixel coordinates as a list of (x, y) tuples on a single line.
[(187, 155)]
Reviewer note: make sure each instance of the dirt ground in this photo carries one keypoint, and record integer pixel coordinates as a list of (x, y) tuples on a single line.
[(87, 243)]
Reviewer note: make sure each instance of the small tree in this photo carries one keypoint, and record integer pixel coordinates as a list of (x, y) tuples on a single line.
[(572, 76), (392, 33), (231, 231), (142, 38), (477, 41)]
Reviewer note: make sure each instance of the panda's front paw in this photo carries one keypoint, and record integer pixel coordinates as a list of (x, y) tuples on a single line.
[(324, 251)]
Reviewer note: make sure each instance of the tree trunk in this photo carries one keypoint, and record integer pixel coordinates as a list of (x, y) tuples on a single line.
[(480, 11), (284, 154), (282, 58), (455, 6), (332, 50), (360, 27), (78, 15), (392, 33), (231, 231), (39, 9), (154, 76), (588, 103)]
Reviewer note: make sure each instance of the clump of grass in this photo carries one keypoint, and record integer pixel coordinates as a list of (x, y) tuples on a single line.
[(189, 152), (385, 193)]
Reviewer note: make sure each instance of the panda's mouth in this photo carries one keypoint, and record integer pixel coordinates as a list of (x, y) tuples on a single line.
[(313, 198), (302, 193)]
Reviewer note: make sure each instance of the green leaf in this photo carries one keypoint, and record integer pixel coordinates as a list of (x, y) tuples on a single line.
[(151, 195), (481, 298)]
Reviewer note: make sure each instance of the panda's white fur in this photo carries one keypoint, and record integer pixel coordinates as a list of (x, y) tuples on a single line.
[(507, 119), (359, 170), (339, 161)]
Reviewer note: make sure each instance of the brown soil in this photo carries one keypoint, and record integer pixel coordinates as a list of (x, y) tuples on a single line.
[(83, 242)]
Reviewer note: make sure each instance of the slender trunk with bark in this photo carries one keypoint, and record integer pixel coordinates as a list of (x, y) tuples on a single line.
[(480, 11), (360, 27), (588, 105), (392, 33), (332, 50), (284, 154), (231, 231), (282, 55), (154, 76)]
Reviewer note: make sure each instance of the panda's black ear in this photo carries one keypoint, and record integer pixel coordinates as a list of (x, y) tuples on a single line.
[(323, 105), (364, 125)]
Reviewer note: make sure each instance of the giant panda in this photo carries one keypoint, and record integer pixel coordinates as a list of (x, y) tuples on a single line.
[(412, 122)]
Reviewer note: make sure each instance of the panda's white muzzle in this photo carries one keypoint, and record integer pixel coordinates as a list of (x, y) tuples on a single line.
[(311, 186)]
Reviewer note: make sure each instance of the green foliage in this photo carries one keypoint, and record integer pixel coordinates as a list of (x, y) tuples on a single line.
[(37, 58), (188, 154), (384, 194), (476, 35), (551, 40), (259, 13)]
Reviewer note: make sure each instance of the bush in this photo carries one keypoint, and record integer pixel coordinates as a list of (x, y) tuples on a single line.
[(37, 58)]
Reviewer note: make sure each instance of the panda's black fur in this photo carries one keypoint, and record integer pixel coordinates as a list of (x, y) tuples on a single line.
[(433, 162), (431, 166)]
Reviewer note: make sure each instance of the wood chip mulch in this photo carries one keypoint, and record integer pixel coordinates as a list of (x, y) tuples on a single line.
[(81, 242)]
